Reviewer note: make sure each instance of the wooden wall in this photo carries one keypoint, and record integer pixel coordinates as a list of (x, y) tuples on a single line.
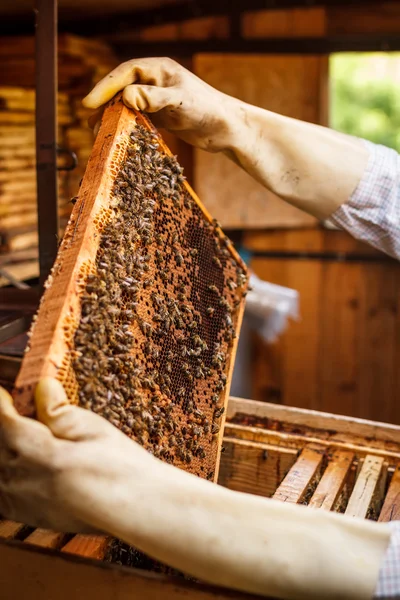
[(342, 356)]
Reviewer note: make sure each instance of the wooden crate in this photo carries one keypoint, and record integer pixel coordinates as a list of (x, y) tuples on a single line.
[(293, 455)]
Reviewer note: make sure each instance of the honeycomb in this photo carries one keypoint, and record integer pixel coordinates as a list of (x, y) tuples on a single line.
[(151, 346)]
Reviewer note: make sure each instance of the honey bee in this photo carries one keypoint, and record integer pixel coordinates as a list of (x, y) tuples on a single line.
[(218, 412)]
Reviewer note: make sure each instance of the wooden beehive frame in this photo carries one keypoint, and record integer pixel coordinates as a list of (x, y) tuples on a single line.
[(59, 311), (294, 455)]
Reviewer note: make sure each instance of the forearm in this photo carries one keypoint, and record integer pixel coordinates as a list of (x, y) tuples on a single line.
[(243, 541), (312, 167)]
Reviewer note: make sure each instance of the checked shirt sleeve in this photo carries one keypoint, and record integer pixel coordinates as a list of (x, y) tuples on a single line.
[(372, 213), (388, 587)]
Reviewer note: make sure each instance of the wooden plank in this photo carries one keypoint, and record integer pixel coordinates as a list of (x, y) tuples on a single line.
[(296, 484), (10, 529), (365, 487), (328, 422), (303, 22), (296, 353), (252, 467), (338, 352), (378, 343), (46, 538), (382, 17), (332, 481), (48, 575), (267, 367), (91, 546), (306, 240), (391, 507), (300, 440)]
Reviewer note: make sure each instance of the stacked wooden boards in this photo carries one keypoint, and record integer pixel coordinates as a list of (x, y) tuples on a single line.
[(81, 64)]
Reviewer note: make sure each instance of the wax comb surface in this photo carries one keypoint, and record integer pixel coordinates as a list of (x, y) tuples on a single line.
[(141, 313)]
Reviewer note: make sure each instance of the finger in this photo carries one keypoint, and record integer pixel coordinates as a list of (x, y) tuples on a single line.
[(18, 435), (150, 71), (95, 117), (63, 419), (96, 128), (8, 418), (148, 98), (6, 404)]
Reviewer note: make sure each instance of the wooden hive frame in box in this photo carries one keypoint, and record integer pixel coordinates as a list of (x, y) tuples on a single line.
[(143, 307), (298, 456)]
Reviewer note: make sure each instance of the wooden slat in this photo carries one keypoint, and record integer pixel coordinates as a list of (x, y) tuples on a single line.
[(295, 485), (374, 17), (298, 440), (309, 22), (91, 546), (339, 329), (378, 343), (365, 487), (333, 480), (9, 529), (379, 435), (305, 240), (296, 354), (252, 467), (391, 507), (46, 538)]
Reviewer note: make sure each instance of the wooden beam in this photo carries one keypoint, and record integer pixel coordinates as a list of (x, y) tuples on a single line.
[(300, 440), (296, 485), (373, 431), (45, 538), (313, 46), (91, 546), (252, 467), (10, 529), (183, 11), (333, 480), (391, 507), (366, 487)]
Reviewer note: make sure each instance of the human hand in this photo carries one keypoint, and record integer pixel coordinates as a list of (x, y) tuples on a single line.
[(180, 102), (59, 472)]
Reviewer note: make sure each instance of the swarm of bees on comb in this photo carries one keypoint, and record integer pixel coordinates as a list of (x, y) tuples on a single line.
[(159, 311)]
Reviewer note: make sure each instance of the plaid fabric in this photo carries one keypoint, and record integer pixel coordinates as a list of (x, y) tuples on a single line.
[(372, 213), (388, 587)]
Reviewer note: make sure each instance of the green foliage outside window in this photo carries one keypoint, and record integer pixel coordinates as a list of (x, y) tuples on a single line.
[(365, 96)]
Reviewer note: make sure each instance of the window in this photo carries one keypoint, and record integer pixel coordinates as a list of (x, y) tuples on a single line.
[(365, 96)]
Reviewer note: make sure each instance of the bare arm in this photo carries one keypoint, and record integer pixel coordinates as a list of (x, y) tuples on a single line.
[(75, 471), (312, 167)]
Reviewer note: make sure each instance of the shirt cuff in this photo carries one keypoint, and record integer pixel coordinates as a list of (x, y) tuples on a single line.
[(388, 587), (372, 213)]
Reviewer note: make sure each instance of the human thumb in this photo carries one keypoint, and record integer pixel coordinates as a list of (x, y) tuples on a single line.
[(65, 420)]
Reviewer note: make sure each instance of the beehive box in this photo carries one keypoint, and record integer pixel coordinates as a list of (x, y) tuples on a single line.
[(142, 311), (298, 456)]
